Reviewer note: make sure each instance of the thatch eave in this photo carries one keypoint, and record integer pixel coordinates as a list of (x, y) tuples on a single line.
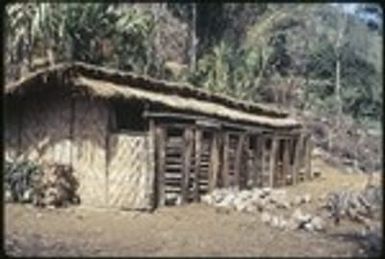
[(108, 83), (108, 90)]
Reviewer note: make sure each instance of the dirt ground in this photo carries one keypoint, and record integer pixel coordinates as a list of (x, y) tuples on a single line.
[(190, 230)]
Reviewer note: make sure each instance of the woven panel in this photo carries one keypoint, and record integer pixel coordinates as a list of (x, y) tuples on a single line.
[(88, 151), (58, 131), (45, 130), (129, 171)]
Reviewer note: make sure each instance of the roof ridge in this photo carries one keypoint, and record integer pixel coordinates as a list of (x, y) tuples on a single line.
[(183, 89)]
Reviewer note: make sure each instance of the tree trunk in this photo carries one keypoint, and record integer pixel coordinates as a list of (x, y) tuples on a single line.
[(194, 41), (338, 91)]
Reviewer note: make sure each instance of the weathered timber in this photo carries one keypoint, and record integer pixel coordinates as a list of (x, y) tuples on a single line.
[(188, 137), (160, 172), (213, 169), (225, 169), (198, 152), (238, 159), (214, 122), (286, 161), (308, 148), (273, 159), (250, 180), (263, 153), (298, 143), (257, 162)]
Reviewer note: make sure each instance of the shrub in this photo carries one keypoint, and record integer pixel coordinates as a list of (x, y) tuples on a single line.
[(20, 179)]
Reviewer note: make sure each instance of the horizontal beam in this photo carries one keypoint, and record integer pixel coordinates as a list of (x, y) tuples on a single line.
[(202, 120)]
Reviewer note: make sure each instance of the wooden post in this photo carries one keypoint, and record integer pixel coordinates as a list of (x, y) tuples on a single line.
[(257, 162), (108, 158), (308, 148), (214, 163), (198, 152), (297, 158), (225, 169), (238, 159), (250, 180), (188, 139), (152, 181), (262, 173), (286, 160), (161, 138), (272, 165)]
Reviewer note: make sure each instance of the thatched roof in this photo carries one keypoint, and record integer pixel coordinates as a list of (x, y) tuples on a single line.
[(108, 83)]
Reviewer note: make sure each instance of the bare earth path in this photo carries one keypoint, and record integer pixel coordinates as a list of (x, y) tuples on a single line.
[(191, 230)]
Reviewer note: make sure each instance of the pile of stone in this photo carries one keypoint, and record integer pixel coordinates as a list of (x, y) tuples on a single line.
[(268, 202), (298, 220), (255, 200)]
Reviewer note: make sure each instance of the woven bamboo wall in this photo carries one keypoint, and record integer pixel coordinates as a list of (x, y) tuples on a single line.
[(45, 129), (89, 151), (129, 171)]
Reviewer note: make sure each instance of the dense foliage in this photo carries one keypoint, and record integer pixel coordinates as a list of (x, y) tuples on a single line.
[(312, 57), (20, 180)]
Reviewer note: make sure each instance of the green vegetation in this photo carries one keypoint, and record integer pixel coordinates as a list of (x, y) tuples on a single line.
[(302, 57)]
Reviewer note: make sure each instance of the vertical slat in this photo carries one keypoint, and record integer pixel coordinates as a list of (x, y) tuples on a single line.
[(257, 162), (198, 152), (188, 138), (250, 164), (297, 158), (214, 162), (161, 139), (238, 154), (153, 181), (286, 160), (150, 165), (308, 147), (238, 159), (262, 145), (273, 156), (225, 169)]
